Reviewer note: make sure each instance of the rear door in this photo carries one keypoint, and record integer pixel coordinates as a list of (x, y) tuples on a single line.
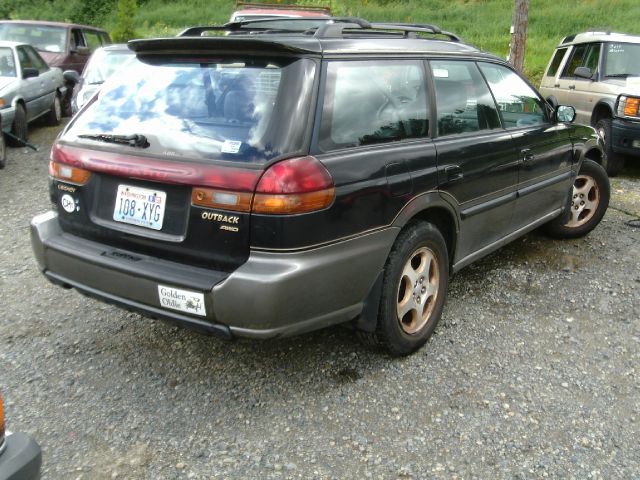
[(550, 85), (477, 163), (543, 147)]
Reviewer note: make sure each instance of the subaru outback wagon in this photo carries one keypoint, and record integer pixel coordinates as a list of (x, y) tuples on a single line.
[(271, 184)]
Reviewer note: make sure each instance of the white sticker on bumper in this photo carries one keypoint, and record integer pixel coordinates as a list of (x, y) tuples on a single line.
[(182, 300)]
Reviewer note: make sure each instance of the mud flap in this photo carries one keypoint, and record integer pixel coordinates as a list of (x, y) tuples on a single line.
[(368, 319)]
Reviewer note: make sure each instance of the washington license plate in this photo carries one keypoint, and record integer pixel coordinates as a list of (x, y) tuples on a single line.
[(140, 206)]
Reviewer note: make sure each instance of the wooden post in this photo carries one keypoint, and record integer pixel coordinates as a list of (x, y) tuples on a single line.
[(519, 34)]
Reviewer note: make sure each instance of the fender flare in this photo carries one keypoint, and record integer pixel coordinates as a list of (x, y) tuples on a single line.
[(603, 103)]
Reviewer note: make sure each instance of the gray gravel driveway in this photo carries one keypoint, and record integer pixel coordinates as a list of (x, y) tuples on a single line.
[(533, 372)]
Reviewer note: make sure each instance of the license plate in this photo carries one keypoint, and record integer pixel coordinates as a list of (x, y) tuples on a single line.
[(182, 300), (140, 206)]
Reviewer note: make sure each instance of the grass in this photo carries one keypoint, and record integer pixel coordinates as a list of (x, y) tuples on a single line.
[(484, 23)]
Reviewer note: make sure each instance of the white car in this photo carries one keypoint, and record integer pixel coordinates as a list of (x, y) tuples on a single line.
[(29, 89)]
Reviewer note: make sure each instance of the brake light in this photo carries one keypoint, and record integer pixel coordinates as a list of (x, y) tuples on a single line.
[(210, 198), (296, 185), (67, 173)]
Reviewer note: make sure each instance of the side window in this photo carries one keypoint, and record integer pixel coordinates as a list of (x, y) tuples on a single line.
[(463, 100), (36, 60), (519, 104), (77, 40), (93, 40), (23, 57), (368, 102), (585, 55), (555, 62)]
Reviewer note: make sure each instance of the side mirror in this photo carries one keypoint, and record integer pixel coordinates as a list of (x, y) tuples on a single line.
[(565, 113), (71, 76), (30, 72), (583, 72)]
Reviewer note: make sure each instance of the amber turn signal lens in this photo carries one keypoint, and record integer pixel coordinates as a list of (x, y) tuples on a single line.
[(631, 106), (293, 203), (67, 173), (1, 420), (225, 200)]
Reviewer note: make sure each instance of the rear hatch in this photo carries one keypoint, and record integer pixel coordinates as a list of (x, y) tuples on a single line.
[(166, 159)]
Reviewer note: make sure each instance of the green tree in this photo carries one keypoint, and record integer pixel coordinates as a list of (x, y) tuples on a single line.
[(125, 29)]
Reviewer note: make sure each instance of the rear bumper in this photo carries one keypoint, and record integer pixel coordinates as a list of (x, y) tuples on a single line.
[(625, 137), (272, 294), (21, 458)]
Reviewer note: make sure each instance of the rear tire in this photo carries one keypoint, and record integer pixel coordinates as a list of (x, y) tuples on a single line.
[(589, 201), (614, 162), (54, 117), (19, 128), (415, 282)]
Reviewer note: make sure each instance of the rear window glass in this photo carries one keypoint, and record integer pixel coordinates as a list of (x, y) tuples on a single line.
[(43, 38), (236, 110)]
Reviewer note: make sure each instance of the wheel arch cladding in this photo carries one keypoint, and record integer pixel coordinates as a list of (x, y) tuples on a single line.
[(603, 109)]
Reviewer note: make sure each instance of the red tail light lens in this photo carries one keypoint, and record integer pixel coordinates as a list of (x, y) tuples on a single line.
[(296, 185)]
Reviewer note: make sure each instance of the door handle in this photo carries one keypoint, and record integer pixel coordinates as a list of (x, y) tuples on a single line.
[(527, 156), (453, 172), (556, 84), (572, 87)]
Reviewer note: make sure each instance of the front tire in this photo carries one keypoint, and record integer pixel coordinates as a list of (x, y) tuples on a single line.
[(589, 201), (54, 117), (614, 162), (416, 277), (19, 127)]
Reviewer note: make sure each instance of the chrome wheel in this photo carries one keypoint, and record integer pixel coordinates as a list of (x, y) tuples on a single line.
[(417, 290), (584, 201)]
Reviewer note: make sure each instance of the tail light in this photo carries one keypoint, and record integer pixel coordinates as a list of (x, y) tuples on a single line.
[(296, 185), (67, 173)]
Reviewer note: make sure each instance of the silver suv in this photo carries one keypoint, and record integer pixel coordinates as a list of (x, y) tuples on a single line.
[(598, 73)]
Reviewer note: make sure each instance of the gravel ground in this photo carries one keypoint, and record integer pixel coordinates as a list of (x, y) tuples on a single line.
[(533, 372)]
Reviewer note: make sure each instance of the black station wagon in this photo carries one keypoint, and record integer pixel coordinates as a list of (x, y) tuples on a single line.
[(270, 184)]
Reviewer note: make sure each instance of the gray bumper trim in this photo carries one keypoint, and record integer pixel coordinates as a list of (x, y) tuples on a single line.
[(272, 294), (21, 459)]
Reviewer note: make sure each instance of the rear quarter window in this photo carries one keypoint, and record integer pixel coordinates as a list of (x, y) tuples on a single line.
[(370, 102)]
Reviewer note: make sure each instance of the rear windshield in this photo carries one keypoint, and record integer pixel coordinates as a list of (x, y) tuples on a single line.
[(42, 37), (206, 109), (104, 63)]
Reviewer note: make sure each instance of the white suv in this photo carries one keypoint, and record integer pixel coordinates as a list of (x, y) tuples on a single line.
[(598, 73)]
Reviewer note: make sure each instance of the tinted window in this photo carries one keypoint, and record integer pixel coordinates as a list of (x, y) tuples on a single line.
[(555, 62), (373, 102), (585, 55), (463, 100), (104, 63), (7, 63), (218, 110), (519, 104), (44, 38)]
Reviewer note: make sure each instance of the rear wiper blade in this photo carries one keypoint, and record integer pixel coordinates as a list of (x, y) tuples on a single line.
[(135, 140)]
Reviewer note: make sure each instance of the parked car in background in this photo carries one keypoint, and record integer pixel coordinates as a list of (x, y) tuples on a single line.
[(268, 184), (598, 73), (257, 11), (20, 455), (102, 64), (63, 45), (29, 89)]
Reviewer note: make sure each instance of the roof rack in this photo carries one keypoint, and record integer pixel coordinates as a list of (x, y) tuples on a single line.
[(327, 27), (357, 25)]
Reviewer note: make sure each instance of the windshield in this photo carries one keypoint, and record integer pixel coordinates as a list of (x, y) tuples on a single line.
[(250, 111), (44, 38), (7, 63), (622, 59), (104, 63)]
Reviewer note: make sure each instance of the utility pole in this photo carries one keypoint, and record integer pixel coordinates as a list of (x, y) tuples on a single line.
[(519, 34)]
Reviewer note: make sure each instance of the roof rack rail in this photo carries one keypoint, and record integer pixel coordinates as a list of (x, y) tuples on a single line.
[(333, 30)]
